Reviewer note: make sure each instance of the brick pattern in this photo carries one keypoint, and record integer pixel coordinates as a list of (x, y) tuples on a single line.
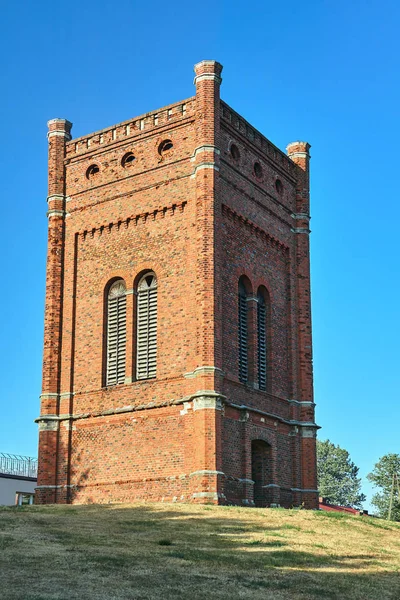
[(200, 219)]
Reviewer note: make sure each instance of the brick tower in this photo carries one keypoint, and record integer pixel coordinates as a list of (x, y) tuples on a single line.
[(177, 351)]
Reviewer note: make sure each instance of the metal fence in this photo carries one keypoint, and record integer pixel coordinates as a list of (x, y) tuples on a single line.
[(22, 466)]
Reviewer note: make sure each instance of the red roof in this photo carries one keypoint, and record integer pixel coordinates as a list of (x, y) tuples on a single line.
[(324, 505)]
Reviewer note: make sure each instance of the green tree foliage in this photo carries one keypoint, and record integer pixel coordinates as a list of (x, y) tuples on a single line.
[(338, 479), (386, 476)]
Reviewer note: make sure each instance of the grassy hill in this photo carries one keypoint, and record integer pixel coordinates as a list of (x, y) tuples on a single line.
[(147, 551)]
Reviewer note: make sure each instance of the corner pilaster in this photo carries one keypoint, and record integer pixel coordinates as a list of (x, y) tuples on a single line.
[(58, 136), (299, 153)]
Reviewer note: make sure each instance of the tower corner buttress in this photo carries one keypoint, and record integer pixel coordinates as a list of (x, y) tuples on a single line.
[(58, 135)]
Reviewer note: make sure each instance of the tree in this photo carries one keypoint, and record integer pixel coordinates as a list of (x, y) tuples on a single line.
[(338, 479), (386, 475)]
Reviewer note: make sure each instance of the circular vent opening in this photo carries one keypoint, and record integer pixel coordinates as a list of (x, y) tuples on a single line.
[(92, 171), (164, 147), (128, 159)]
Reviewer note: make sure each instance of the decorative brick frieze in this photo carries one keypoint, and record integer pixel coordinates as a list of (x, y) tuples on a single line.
[(226, 210), (133, 220)]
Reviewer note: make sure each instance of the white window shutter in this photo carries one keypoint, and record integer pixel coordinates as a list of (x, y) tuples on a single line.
[(243, 363), (116, 334), (146, 347), (262, 344)]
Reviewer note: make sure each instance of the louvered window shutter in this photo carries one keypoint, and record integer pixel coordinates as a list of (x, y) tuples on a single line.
[(243, 365), (116, 334), (262, 343), (146, 347)]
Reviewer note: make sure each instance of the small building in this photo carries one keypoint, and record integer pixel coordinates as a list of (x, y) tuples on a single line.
[(324, 504), (18, 478)]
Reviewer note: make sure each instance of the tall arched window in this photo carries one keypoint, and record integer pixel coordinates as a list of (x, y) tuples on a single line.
[(116, 333), (243, 332), (262, 299), (146, 346)]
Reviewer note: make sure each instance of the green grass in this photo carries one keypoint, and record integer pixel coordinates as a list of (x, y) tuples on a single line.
[(152, 551)]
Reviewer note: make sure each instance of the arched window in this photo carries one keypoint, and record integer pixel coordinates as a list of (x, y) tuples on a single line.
[(116, 333), (146, 346), (262, 350), (242, 331)]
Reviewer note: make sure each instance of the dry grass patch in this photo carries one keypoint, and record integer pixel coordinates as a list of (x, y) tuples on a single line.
[(151, 551)]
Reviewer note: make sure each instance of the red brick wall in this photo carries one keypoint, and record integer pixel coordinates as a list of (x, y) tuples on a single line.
[(199, 220)]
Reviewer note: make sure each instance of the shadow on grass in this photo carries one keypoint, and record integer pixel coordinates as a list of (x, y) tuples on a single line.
[(144, 552)]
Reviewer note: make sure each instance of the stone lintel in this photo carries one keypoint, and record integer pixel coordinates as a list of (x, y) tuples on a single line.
[(308, 430), (207, 399), (48, 425), (205, 472), (200, 371), (271, 485)]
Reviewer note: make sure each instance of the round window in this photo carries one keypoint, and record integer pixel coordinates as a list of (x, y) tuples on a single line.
[(128, 160), (92, 171), (164, 147)]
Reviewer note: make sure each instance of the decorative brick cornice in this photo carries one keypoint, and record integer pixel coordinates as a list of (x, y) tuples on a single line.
[(137, 128), (159, 213), (226, 210)]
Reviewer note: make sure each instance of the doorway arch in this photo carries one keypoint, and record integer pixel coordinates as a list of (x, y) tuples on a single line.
[(261, 471)]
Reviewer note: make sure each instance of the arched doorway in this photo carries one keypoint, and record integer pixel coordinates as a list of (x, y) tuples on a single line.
[(261, 471)]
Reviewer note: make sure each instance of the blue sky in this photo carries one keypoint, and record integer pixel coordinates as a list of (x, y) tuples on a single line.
[(321, 71)]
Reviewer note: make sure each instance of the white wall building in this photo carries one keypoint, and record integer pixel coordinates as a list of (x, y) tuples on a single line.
[(18, 478)]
